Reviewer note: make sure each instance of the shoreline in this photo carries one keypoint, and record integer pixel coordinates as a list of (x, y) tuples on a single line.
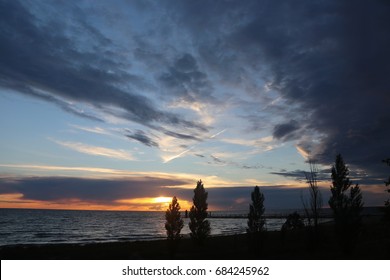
[(373, 242)]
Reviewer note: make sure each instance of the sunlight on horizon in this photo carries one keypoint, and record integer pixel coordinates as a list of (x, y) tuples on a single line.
[(162, 199), (160, 203)]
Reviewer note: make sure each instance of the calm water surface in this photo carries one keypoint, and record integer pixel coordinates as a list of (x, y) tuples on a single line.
[(28, 226)]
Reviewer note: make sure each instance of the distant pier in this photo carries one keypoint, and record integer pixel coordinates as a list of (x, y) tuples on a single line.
[(325, 213)]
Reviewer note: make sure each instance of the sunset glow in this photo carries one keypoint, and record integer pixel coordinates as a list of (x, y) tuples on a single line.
[(123, 105), (161, 199), (151, 203)]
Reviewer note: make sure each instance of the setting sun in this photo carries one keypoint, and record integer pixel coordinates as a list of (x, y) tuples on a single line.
[(163, 199), (159, 203)]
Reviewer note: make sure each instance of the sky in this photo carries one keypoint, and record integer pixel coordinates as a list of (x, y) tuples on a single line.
[(120, 105)]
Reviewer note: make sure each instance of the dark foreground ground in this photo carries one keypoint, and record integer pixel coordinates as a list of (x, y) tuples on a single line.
[(372, 243)]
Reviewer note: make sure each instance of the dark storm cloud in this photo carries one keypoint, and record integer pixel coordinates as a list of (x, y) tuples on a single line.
[(296, 174), (360, 177), (105, 191), (286, 131), (141, 137), (109, 191), (328, 59), (332, 59), (301, 175), (46, 60), (276, 197), (239, 198)]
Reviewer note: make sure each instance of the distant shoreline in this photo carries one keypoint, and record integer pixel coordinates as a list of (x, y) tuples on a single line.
[(269, 213)]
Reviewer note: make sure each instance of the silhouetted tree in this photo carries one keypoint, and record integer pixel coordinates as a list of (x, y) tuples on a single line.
[(387, 161), (174, 222), (173, 225), (256, 219), (256, 222), (346, 207), (293, 221), (199, 226), (387, 202), (315, 196), (314, 206)]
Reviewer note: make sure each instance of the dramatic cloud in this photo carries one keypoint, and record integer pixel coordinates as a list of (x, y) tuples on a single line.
[(296, 174), (286, 131), (46, 58), (280, 79), (328, 60), (124, 190), (323, 57), (106, 191)]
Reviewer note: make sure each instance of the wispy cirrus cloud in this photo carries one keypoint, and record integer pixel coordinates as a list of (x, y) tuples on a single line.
[(95, 129), (57, 168), (184, 150), (88, 172), (96, 150), (263, 144)]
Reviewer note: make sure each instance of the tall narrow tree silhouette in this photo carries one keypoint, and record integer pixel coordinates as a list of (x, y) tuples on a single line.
[(174, 222), (346, 207), (173, 225), (387, 202), (256, 222), (199, 225), (256, 219)]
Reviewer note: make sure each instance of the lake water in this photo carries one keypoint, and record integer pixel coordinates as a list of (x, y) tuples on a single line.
[(28, 226)]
